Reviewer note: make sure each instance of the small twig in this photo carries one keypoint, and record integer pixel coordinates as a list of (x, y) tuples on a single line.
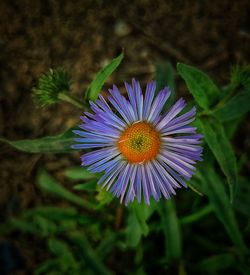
[(213, 62), (118, 217)]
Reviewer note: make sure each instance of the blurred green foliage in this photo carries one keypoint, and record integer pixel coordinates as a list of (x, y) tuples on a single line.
[(202, 233)]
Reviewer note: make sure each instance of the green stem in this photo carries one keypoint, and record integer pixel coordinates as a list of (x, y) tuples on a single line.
[(73, 100), (194, 189), (204, 113), (171, 230), (197, 216)]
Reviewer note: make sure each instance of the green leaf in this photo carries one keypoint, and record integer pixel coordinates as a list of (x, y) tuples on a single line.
[(137, 223), (242, 202), (45, 226), (47, 183), (108, 243), (218, 197), (216, 263), (133, 233), (220, 146), (51, 212), (78, 173), (58, 247), (103, 196), (88, 186), (48, 267), (37, 225), (203, 89), (89, 254), (171, 228), (142, 213), (50, 144), (165, 77), (235, 107), (95, 87), (66, 259), (57, 214)]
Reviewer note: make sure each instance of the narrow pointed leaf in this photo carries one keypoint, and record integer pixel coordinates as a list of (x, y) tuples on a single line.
[(89, 254), (57, 214), (47, 183), (78, 173), (165, 77), (96, 85), (137, 223), (88, 186), (216, 263), (242, 202), (214, 189), (46, 267), (51, 144), (108, 243), (203, 89), (36, 225), (133, 233), (171, 229), (59, 247), (220, 146)]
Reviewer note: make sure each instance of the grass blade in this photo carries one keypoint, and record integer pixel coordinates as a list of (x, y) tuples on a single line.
[(171, 229), (47, 183), (78, 173), (218, 197), (90, 257)]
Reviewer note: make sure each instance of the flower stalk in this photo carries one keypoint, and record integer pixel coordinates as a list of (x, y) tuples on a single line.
[(72, 100)]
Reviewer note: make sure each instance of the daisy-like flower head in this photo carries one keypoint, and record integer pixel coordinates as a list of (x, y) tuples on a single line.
[(140, 151)]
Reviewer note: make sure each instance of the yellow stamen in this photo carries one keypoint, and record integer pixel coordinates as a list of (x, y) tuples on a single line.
[(139, 142)]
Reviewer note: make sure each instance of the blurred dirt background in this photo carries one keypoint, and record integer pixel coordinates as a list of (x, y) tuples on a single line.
[(82, 36)]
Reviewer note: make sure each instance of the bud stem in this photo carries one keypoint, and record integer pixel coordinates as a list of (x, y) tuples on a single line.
[(73, 100)]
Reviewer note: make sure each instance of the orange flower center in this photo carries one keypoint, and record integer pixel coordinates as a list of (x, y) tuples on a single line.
[(139, 142)]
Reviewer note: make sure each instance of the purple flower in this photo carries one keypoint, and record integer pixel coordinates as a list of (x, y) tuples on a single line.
[(141, 151)]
